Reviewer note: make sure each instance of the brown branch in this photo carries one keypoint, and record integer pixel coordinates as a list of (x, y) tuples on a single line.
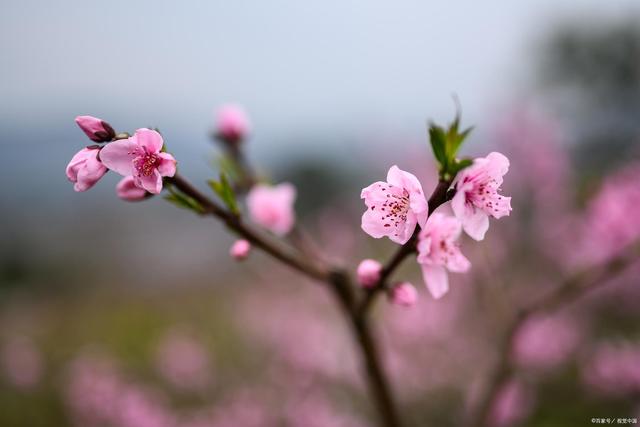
[(275, 249), (439, 196), (340, 284), (573, 288)]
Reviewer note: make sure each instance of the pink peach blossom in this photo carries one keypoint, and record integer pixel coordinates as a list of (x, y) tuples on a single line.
[(240, 249), (272, 207), (96, 129), (22, 362), (514, 402), (368, 272), (140, 156), (183, 361), (129, 191), (477, 195), (85, 168), (404, 294), (232, 124), (395, 207), (438, 251)]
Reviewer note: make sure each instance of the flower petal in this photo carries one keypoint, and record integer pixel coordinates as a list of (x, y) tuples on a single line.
[(372, 225), (150, 140), (167, 166), (118, 156), (435, 277), (151, 183)]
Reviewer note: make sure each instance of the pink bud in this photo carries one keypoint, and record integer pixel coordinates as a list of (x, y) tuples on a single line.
[(404, 294), (369, 272), (232, 124), (240, 249), (85, 169), (129, 191), (96, 129)]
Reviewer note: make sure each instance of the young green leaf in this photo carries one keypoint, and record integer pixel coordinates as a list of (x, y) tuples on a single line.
[(183, 201), (224, 190)]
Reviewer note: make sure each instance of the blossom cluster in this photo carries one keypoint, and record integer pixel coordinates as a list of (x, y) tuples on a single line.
[(140, 159), (395, 209)]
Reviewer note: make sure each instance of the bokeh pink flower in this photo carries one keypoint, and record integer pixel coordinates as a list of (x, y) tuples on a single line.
[(240, 249), (395, 207), (272, 207), (403, 294), (22, 362), (232, 124), (368, 272)]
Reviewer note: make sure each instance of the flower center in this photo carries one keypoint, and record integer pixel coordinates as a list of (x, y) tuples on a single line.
[(394, 209), (146, 163)]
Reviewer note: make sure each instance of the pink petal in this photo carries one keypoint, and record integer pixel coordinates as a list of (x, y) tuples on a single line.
[(118, 156), (167, 166), (149, 140), (151, 183), (372, 225), (476, 224), (497, 165), (129, 191), (435, 277), (458, 263), (404, 231)]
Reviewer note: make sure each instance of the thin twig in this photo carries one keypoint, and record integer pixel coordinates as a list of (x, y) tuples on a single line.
[(340, 284), (573, 288)]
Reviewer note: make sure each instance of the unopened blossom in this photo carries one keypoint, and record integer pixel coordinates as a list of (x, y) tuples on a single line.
[(272, 207), (368, 272), (395, 207), (96, 129), (129, 191), (439, 251), (85, 168), (477, 195), (140, 156), (232, 124), (404, 294), (240, 249)]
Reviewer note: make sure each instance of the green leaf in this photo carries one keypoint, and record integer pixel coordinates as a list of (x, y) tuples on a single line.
[(183, 201), (438, 141), (224, 190)]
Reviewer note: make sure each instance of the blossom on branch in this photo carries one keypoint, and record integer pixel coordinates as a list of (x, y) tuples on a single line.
[(96, 129), (140, 156), (368, 272), (129, 191), (395, 207), (85, 168), (438, 251), (477, 195)]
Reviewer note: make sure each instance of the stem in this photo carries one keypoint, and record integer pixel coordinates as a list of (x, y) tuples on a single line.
[(340, 284), (573, 288), (439, 196), (378, 383), (277, 250)]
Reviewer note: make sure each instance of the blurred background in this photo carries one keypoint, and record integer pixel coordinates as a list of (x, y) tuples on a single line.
[(133, 315)]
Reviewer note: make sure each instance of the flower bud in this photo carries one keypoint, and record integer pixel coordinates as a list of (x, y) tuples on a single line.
[(240, 249), (403, 294), (232, 124), (96, 129), (129, 191), (85, 169), (369, 272)]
